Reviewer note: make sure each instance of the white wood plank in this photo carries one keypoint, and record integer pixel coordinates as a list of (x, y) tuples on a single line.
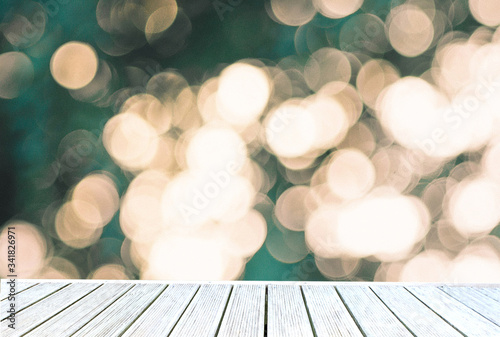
[(454, 312), (329, 315), (69, 321), (20, 286), (477, 301), (493, 293), (415, 315), (161, 316), (244, 316), (114, 320), (287, 314), (374, 318), (32, 295), (204, 313), (50, 306)]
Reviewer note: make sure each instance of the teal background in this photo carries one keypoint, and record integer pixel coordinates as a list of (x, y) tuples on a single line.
[(32, 125)]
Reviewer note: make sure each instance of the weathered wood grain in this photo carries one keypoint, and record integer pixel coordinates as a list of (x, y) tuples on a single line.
[(32, 295), (374, 318), (132, 308), (114, 320), (204, 313), (50, 306), (415, 315), (244, 316), (20, 286), (456, 313), (161, 316), (69, 321), (287, 314), (477, 301), (493, 293), (329, 315)]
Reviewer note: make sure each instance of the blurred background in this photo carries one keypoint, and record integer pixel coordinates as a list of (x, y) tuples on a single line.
[(247, 139)]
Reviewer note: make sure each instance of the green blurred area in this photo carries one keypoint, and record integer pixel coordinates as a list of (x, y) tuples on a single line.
[(33, 125)]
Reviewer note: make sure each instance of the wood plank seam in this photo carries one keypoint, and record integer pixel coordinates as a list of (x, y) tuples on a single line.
[(329, 315), (482, 291), (83, 311), (245, 312), (444, 319), (488, 292), (184, 311), (145, 309), (65, 308), (31, 286), (397, 317), (112, 321), (468, 306), (308, 313), (111, 303), (350, 312), (265, 311), (287, 315), (206, 310), (224, 311), (44, 297), (38, 300)]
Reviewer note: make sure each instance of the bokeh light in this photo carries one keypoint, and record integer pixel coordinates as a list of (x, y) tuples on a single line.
[(290, 209), (485, 11), (351, 174), (290, 130), (215, 148), (242, 94), (337, 9), (59, 268), (130, 140), (373, 78), (474, 206), (16, 74), (109, 272), (283, 140), (74, 65), (428, 266), (162, 16), (410, 30), (326, 65), (293, 13), (31, 249)]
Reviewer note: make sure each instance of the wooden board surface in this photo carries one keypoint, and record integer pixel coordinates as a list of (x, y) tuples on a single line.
[(41, 311), (19, 286), (458, 314), (245, 312), (116, 318), (329, 315), (203, 315), (414, 314), (373, 316), (494, 293), (32, 295), (477, 301), (249, 309), (70, 321), (164, 312), (287, 314)]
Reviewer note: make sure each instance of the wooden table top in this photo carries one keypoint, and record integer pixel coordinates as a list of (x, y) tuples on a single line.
[(229, 309)]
